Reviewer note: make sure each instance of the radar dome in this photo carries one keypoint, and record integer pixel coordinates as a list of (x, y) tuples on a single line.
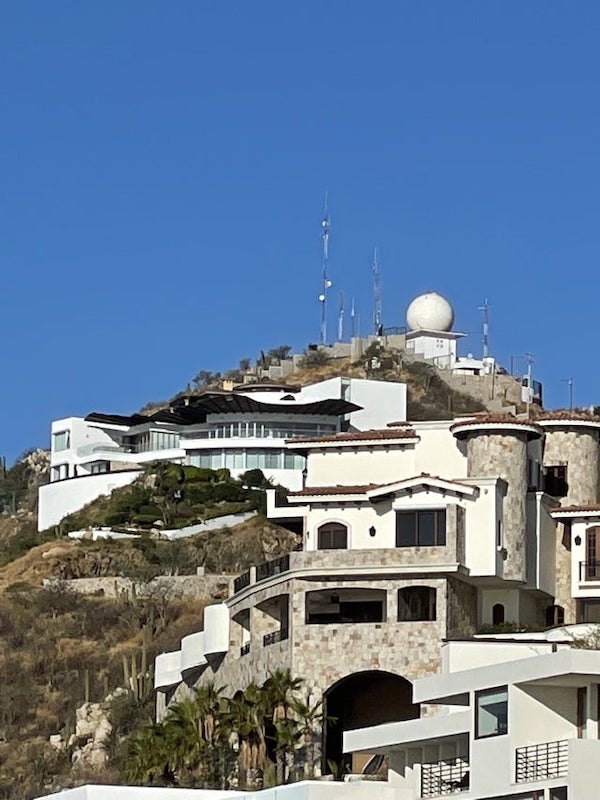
[(430, 312)]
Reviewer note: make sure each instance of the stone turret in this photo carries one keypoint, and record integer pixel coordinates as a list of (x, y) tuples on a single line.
[(571, 445), (571, 464), (497, 447)]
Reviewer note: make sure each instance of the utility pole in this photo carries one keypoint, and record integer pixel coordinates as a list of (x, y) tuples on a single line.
[(529, 357), (377, 310), (569, 382), (325, 282), (486, 327)]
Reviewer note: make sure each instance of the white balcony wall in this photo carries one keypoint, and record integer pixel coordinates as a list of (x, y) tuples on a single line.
[(346, 467), (438, 451), (60, 498), (167, 669), (192, 652), (481, 521), (216, 629)]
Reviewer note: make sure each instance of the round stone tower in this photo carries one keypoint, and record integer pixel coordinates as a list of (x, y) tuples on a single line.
[(571, 457), (497, 447)]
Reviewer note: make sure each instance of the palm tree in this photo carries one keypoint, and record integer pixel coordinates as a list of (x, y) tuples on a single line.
[(311, 717), (245, 717), (148, 757), (280, 688)]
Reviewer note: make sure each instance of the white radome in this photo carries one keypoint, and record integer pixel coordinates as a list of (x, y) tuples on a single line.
[(430, 312)]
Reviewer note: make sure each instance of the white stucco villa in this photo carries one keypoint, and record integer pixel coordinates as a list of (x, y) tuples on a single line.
[(240, 430)]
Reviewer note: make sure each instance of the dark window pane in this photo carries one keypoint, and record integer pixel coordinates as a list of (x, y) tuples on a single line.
[(427, 520), (441, 527), (406, 529)]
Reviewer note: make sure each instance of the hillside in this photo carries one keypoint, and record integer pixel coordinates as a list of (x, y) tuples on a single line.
[(59, 648)]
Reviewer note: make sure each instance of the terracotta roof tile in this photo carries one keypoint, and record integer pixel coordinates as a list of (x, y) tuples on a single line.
[(567, 416), (359, 436), (575, 509), (484, 418), (325, 490)]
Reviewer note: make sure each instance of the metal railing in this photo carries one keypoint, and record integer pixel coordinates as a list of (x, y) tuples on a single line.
[(589, 570), (241, 581), (449, 776), (276, 636), (541, 761), (245, 649), (270, 568)]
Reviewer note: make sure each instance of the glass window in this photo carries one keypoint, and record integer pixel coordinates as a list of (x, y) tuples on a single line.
[(491, 712), (98, 467), (416, 604), (61, 441), (332, 536), (234, 459), (420, 528)]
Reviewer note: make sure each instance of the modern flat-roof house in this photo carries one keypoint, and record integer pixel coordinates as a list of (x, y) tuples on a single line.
[(516, 719), (412, 534), (240, 430)]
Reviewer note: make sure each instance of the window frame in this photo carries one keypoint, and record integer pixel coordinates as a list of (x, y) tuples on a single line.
[(439, 514), (336, 527), (479, 693)]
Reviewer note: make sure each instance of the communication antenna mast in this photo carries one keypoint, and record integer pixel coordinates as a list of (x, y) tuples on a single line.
[(377, 323), (353, 319), (341, 318), (485, 309), (326, 283)]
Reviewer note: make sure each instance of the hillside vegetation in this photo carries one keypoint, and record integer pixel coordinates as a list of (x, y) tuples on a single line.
[(59, 649)]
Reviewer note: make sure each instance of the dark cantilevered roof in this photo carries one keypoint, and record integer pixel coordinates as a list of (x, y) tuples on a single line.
[(117, 419), (193, 409)]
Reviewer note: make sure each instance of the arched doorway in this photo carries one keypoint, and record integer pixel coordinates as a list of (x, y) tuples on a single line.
[(360, 700)]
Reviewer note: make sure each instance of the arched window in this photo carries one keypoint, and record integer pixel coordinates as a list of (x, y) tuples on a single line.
[(555, 615), (498, 614), (332, 536), (416, 604)]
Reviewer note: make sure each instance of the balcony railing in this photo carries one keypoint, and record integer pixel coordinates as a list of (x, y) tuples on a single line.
[(241, 581), (449, 776), (276, 636), (245, 649), (589, 571), (270, 568), (542, 761)]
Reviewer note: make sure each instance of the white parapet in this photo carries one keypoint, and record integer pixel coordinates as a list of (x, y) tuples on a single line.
[(216, 629), (167, 670), (192, 652)]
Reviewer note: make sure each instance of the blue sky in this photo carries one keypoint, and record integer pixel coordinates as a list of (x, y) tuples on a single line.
[(163, 168)]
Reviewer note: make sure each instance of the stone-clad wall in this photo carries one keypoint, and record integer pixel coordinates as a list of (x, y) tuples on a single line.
[(578, 449), (325, 653), (505, 455), (462, 609)]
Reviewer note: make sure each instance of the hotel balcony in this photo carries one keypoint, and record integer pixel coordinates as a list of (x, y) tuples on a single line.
[(537, 762), (349, 564), (167, 670), (192, 653), (448, 776)]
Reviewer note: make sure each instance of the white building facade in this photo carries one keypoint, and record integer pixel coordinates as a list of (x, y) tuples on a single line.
[(238, 430)]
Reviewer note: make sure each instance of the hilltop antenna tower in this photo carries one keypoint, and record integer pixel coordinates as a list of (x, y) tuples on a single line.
[(377, 316), (485, 309), (353, 319), (341, 318), (325, 282)]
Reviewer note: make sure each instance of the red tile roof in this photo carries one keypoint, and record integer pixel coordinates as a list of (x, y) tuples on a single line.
[(359, 436), (325, 490), (363, 489)]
